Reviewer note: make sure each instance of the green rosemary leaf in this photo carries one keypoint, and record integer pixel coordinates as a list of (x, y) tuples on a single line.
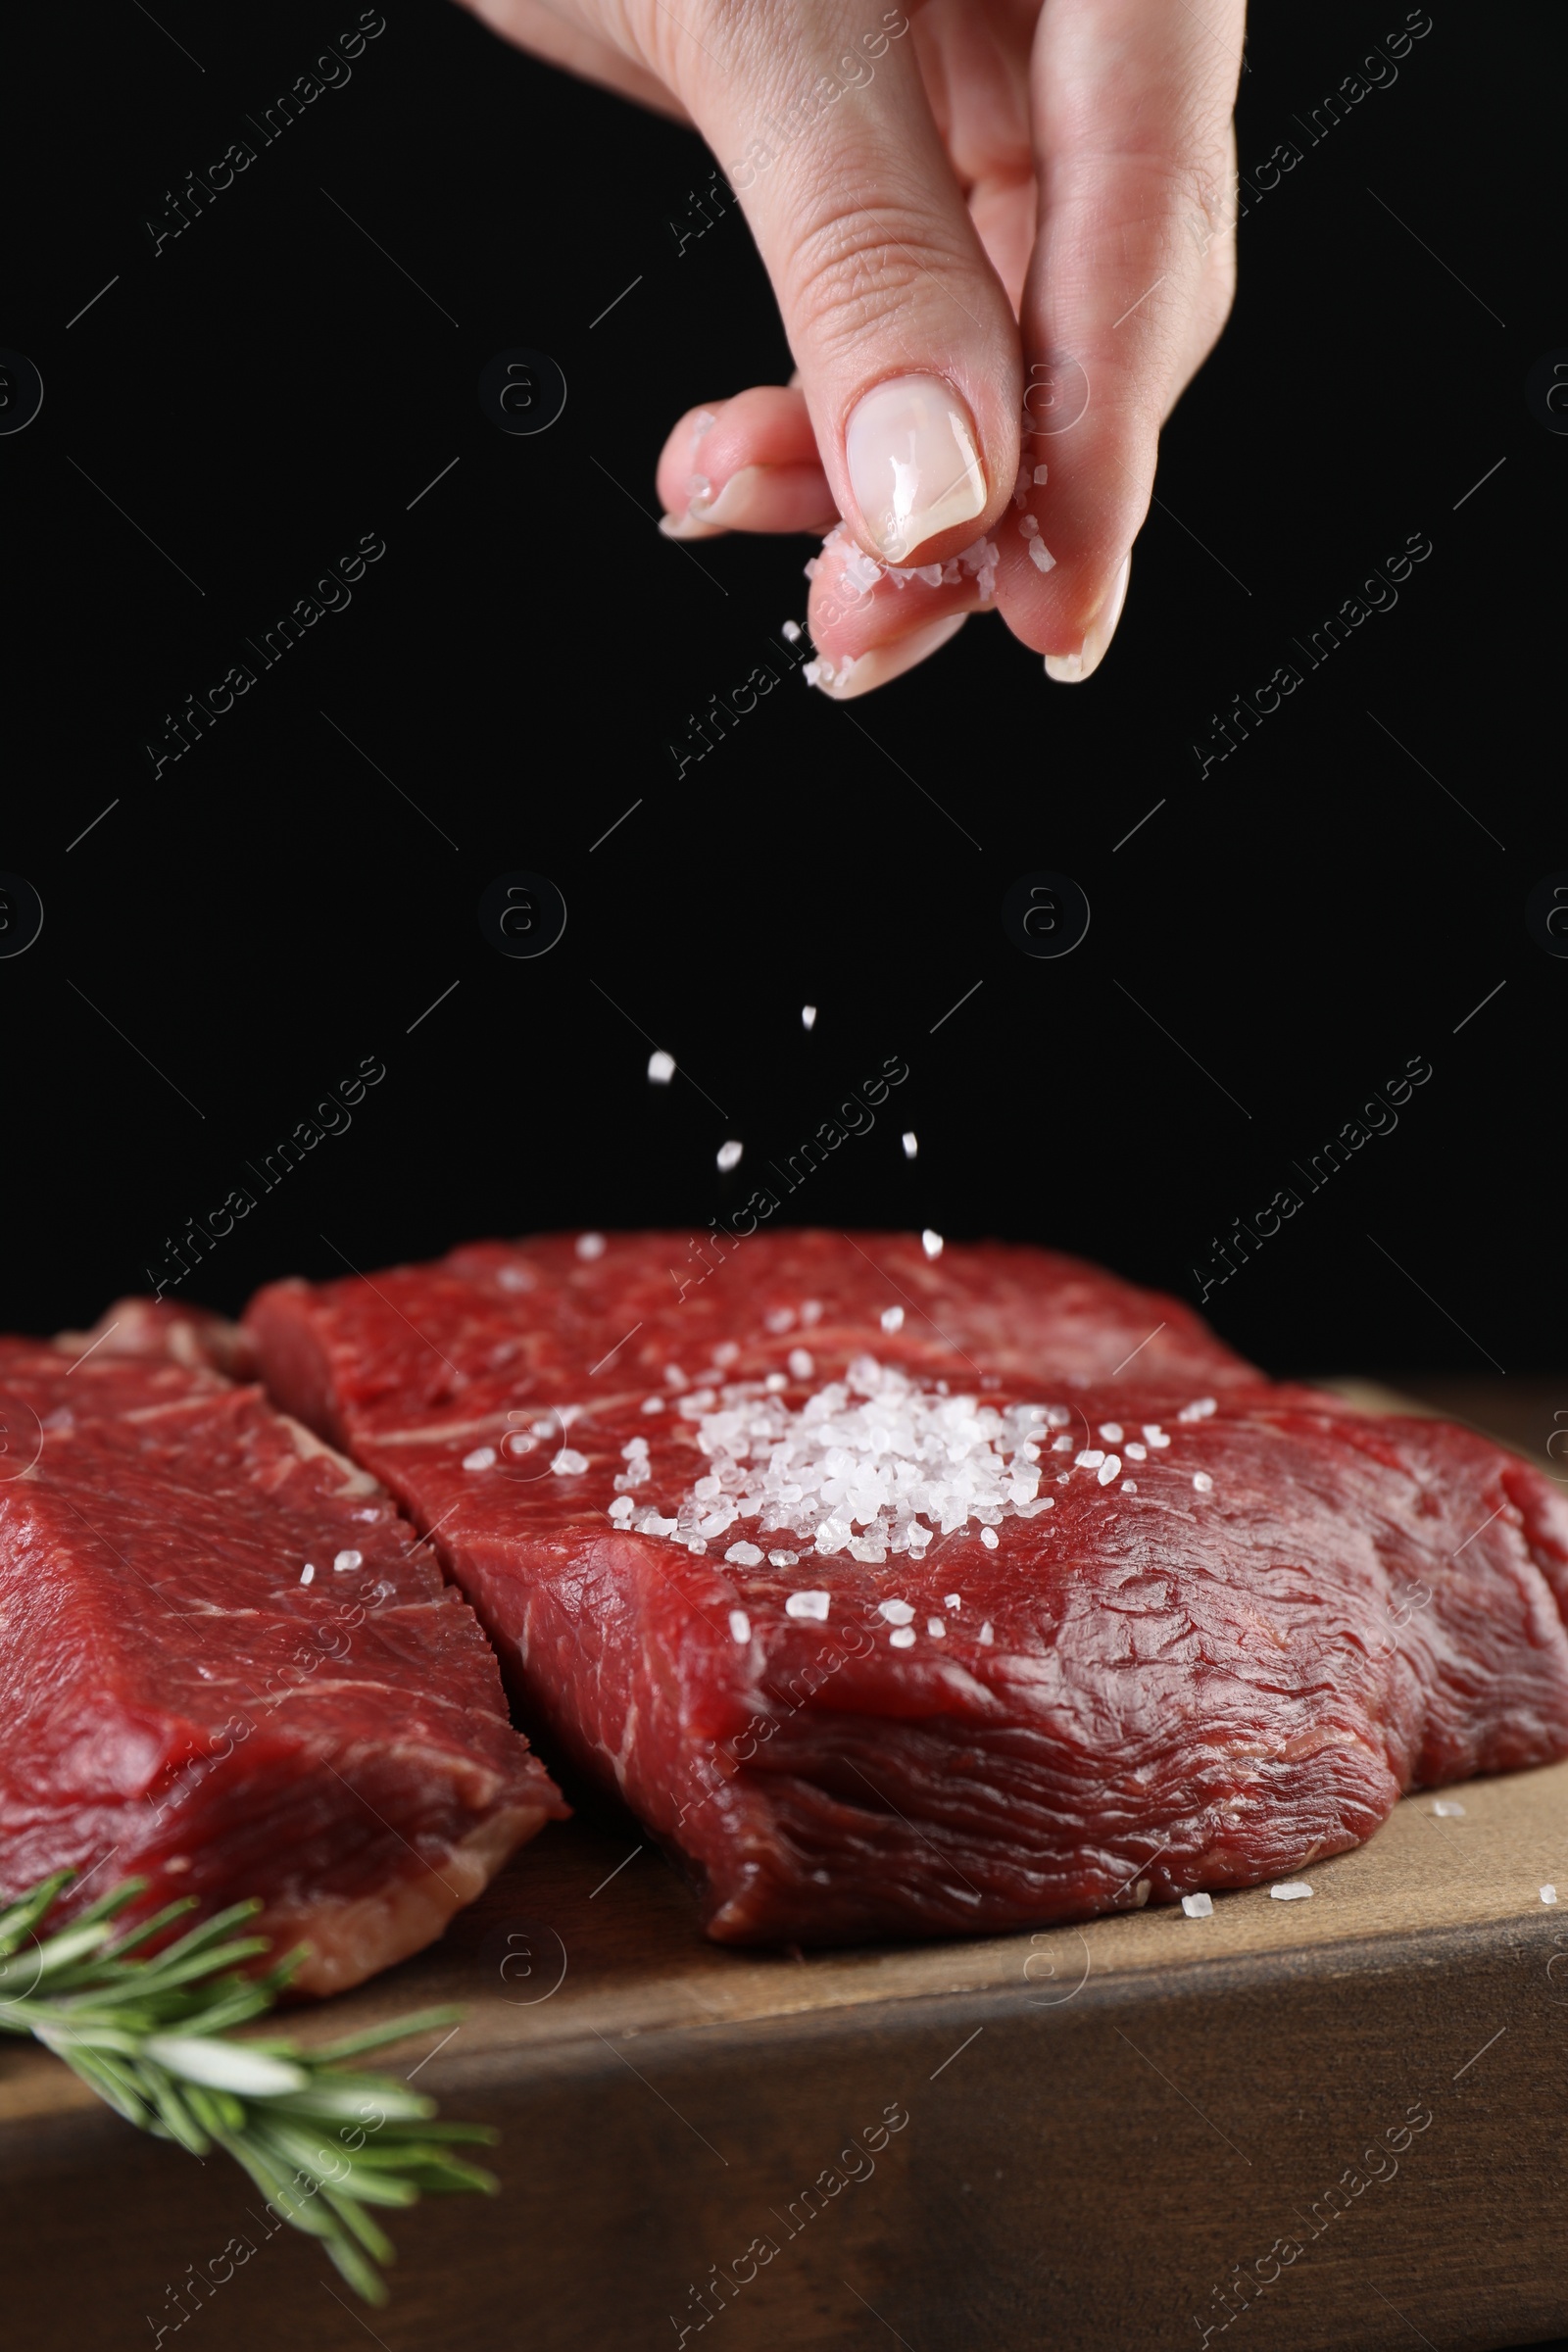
[(479, 2135), (63, 1951), (151, 2036), (210, 1931), (114, 2084), (217, 2111), (397, 2028), (149, 1928), (164, 1972), (372, 2236), (18, 1921), (177, 2117), (306, 2152), (448, 2176), (351, 2265)]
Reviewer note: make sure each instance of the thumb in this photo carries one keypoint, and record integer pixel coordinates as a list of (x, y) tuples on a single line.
[(907, 345)]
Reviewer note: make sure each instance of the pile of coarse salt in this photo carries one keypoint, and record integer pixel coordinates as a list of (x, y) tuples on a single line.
[(869, 1465)]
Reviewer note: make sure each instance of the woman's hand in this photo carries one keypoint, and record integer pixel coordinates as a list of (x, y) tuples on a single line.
[(1000, 232)]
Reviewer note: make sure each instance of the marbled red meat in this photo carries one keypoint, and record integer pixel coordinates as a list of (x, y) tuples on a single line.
[(1198, 1669), (176, 1703)]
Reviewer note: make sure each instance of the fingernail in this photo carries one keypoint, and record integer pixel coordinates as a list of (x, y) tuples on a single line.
[(689, 526), (732, 508), (913, 468), (1070, 670), (699, 521), (706, 517), (860, 674)]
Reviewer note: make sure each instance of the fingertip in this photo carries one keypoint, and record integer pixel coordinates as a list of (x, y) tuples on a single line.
[(853, 675), (679, 463), (1073, 668), (689, 526)]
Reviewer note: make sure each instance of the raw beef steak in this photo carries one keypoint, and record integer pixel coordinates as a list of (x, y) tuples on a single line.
[(223, 1667), (881, 1599)]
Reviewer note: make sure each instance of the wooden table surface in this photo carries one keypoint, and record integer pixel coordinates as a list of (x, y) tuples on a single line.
[(1101, 2126)]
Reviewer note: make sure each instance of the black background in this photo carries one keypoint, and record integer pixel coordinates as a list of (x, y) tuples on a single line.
[(238, 932)]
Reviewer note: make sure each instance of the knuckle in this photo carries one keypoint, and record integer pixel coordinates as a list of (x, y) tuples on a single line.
[(850, 272)]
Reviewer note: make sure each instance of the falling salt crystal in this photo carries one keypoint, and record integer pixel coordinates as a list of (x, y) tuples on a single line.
[(660, 1070), (592, 1244), (779, 1318), (1110, 1430), (897, 1612), (782, 1559), (729, 1157), (1156, 1435), (891, 1318), (1548, 1894), (985, 1635), (1202, 1484), (1449, 1808), (808, 1016), (653, 1404), (1198, 1906), (1029, 524), (791, 631), (811, 1312), (1040, 557), (902, 1638), (308, 1572), (931, 1242), (1041, 473), (622, 1507), (570, 1463), (744, 1556), (988, 1537), (936, 1629), (346, 1560), (911, 1145), (775, 1382), (1134, 1452), (480, 1459), (1294, 1891), (801, 1363), (951, 1600), (1128, 1485), (1198, 1411), (740, 1626), (807, 1605), (1090, 1459), (1109, 1468)]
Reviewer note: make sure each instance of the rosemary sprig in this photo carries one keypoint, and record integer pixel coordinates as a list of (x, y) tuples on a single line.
[(321, 2141)]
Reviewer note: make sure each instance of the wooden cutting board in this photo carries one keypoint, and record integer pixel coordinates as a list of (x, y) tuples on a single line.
[(1088, 2138)]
